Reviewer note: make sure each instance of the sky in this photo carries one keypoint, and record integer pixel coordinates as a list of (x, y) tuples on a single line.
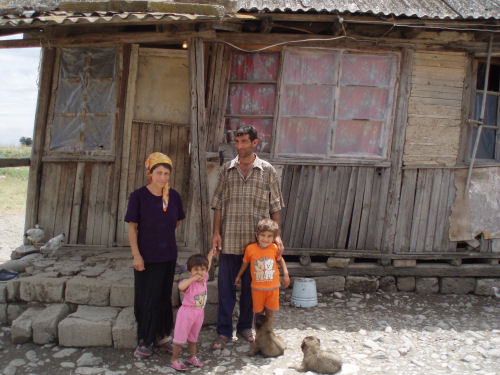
[(18, 93)]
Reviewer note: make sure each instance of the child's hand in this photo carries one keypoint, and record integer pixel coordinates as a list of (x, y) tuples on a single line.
[(286, 281), (197, 277), (237, 281)]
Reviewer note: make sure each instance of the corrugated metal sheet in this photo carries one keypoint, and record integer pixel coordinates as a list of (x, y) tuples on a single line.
[(439, 9)]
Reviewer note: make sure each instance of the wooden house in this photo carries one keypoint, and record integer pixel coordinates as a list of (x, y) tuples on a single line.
[(373, 114)]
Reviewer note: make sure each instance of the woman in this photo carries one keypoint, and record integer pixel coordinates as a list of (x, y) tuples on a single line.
[(154, 211)]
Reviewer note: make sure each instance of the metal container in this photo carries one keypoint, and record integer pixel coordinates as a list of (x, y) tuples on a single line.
[(304, 293)]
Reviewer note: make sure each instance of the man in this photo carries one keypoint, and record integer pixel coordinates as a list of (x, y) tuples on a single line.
[(247, 191)]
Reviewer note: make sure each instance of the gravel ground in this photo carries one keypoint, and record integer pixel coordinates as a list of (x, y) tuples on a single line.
[(390, 334)]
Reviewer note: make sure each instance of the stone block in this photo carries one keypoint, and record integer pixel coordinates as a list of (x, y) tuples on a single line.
[(404, 262), (484, 286), (42, 289), (388, 284), (334, 262), (14, 310), (210, 314), (406, 284), (3, 292), (85, 291), (13, 290), (45, 324), (361, 284), (329, 284), (3, 313), (122, 294), (457, 285), (21, 330), (125, 330), (88, 326), (212, 292), (427, 285)]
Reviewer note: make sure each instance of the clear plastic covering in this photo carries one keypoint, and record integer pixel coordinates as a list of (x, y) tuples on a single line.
[(85, 103)]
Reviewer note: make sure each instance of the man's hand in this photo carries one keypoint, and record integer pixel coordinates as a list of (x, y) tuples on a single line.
[(139, 263), (281, 247), (216, 244)]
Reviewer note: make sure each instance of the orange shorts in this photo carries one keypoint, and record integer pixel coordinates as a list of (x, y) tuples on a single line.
[(269, 299)]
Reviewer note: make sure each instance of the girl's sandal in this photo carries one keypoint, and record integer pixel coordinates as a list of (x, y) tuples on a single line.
[(220, 342), (178, 366)]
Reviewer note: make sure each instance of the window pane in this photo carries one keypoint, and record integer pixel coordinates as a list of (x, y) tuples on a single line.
[(303, 136), (486, 146), (73, 63), (310, 67), (66, 134), (361, 138), (363, 103), (494, 77), (98, 132), (105, 102), (366, 70), (264, 130), (251, 99), (102, 63), (307, 100), (69, 98), (254, 66)]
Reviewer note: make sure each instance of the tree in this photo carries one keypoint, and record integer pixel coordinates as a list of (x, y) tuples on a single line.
[(26, 141)]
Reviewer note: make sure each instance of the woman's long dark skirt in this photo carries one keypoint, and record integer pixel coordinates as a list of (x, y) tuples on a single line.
[(153, 301)]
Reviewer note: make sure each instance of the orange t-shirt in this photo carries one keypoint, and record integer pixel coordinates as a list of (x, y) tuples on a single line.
[(263, 267)]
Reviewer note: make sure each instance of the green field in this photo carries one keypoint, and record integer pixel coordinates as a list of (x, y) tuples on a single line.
[(13, 181)]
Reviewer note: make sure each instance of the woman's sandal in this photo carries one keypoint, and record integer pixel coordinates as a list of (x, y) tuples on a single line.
[(220, 342), (178, 366), (247, 334)]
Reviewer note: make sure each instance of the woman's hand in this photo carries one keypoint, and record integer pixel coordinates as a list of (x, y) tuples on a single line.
[(138, 263)]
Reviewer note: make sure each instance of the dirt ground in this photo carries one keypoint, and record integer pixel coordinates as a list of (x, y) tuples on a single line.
[(390, 334)]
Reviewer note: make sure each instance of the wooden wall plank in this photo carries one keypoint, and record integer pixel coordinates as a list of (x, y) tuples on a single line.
[(82, 224), (340, 201), (100, 213), (302, 178), (313, 207), (92, 203), (352, 237), (405, 212), (300, 219), (437, 175), (441, 230), (322, 199), (61, 199), (447, 244), (424, 207), (329, 217), (68, 199), (348, 208), (77, 202), (291, 203), (141, 158), (365, 211), (414, 235), (371, 225), (50, 185)]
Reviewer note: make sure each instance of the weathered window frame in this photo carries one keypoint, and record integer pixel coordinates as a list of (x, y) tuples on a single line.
[(82, 154), (475, 91)]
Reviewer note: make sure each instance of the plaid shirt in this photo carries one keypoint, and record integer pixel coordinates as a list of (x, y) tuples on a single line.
[(244, 201)]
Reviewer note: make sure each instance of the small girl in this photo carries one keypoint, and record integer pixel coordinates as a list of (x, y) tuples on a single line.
[(191, 314)]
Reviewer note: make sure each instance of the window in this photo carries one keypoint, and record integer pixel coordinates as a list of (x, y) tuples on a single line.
[(85, 100), (335, 104), (332, 103), (488, 146), (252, 94)]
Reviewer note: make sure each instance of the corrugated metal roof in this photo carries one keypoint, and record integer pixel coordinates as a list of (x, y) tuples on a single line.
[(438, 9)]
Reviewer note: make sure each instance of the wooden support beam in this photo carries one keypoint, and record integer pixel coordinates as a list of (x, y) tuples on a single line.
[(20, 43), (10, 162)]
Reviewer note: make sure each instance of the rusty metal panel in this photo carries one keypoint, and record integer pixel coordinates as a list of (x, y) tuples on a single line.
[(254, 66), (357, 137), (251, 99), (304, 67), (307, 100), (367, 70), (363, 103), (303, 136)]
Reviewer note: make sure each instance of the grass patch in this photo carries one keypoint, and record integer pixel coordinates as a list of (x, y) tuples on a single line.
[(14, 181)]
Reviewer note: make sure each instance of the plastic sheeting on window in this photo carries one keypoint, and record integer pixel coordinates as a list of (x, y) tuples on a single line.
[(85, 103)]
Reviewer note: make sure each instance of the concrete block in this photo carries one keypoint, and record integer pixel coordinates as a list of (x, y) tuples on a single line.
[(3, 292), (457, 285), (14, 310), (334, 262), (125, 330), (404, 262), (484, 286), (45, 324), (122, 294), (212, 292), (85, 291), (88, 326), (388, 284), (21, 330), (210, 314), (427, 285), (13, 290), (361, 284), (3, 313), (406, 284), (42, 289), (330, 284)]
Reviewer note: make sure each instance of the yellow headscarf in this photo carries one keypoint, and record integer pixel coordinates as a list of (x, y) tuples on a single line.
[(151, 161)]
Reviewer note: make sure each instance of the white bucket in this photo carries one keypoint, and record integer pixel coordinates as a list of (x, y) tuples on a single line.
[(304, 293)]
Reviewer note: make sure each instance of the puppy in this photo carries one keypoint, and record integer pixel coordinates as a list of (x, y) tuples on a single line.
[(266, 342), (318, 360)]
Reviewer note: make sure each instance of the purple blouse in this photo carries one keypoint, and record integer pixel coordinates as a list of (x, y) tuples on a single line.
[(156, 229)]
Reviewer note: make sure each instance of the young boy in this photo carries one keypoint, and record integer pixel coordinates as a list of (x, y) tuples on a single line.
[(262, 257)]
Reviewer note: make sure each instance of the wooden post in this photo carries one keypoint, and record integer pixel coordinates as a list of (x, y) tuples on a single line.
[(48, 56), (398, 140), (198, 141)]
